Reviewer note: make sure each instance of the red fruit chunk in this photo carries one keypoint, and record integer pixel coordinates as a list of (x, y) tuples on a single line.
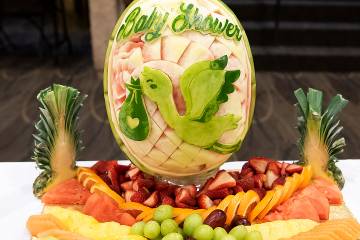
[(105, 209), (205, 187), (217, 201), (122, 169), (205, 202), (259, 164), (128, 194), (139, 196), (247, 183), (69, 192), (259, 180), (127, 185), (183, 196), (222, 180), (166, 200), (293, 168), (191, 189), (153, 200), (278, 181), (141, 183), (317, 199), (284, 165), (272, 173), (235, 174), (132, 173), (218, 193), (107, 170), (237, 189), (330, 190), (247, 172), (260, 191)]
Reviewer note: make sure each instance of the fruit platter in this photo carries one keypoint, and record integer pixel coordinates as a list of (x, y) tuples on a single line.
[(179, 89)]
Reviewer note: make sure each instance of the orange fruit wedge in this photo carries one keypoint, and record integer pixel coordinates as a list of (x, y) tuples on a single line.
[(247, 203), (296, 181), (180, 218), (233, 206), (225, 202), (134, 205), (261, 205), (273, 202), (306, 176), (105, 189), (286, 189), (206, 213)]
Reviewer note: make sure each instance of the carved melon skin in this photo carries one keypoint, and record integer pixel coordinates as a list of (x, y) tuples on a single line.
[(163, 153)]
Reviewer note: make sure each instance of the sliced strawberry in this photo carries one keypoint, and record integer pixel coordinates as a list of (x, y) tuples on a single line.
[(279, 181), (127, 185), (272, 174), (140, 183), (139, 196), (218, 193), (204, 201), (183, 196), (153, 200), (259, 164), (294, 168), (206, 185), (247, 172), (192, 190), (235, 174), (237, 189), (134, 212), (246, 166), (259, 180), (167, 200), (107, 171), (247, 183), (284, 165), (132, 173), (121, 179), (128, 194), (182, 205), (122, 169), (217, 201), (222, 180)]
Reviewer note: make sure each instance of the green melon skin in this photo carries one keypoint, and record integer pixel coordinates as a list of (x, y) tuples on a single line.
[(218, 147)]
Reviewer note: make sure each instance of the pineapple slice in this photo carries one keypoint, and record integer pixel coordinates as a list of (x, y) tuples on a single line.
[(319, 141), (57, 139)]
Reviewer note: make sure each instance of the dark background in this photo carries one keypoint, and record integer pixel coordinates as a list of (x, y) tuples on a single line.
[(295, 44)]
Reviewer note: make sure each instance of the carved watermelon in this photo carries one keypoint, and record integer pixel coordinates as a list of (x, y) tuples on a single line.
[(141, 125)]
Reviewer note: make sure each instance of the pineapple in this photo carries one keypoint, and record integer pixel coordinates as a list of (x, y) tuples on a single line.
[(57, 139), (319, 142)]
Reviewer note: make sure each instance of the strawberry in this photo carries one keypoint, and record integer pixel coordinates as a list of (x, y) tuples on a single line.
[(259, 164), (139, 196), (284, 165), (134, 212), (127, 185), (122, 169), (235, 175), (247, 183), (247, 172), (218, 193), (204, 201), (183, 196), (237, 189), (132, 173), (142, 183), (272, 173), (259, 180), (182, 205), (128, 194), (217, 201), (166, 200), (294, 168), (192, 190), (222, 180), (246, 166), (205, 187), (278, 181), (152, 200)]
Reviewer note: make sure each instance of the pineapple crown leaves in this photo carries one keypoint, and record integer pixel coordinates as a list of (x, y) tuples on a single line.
[(328, 126), (60, 106)]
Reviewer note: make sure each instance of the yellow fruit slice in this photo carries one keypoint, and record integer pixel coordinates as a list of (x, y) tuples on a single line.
[(225, 202), (306, 176), (206, 213), (286, 189), (296, 181), (180, 218), (134, 205), (273, 202), (261, 205), (250, 198), (233, 206)]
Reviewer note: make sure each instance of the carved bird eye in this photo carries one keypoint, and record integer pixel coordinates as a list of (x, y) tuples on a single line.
[(153, 86), (149, 80)]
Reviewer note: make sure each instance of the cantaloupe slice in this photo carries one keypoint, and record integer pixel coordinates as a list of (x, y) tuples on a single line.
[(250, 198), (233, 206), (261, 205), (273, 202)]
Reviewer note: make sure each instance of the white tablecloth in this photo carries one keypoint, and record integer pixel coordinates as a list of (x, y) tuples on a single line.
[(18, 203)]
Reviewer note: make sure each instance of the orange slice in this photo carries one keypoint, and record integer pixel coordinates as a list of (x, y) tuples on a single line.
[(180, 218), (105, 189), (206, 213), (296, 181), (134, 205), (261, 205), (225, 202), (233, 206), (286, 189), (150, 215), (250, 198), (179, 211), (273, 202), (306, 176)]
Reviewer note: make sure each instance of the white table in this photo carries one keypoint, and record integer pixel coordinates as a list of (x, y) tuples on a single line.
[(18, 203)]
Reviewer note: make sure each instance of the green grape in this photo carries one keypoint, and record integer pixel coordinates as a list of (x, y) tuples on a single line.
[(228, 237), (219, 232), (191, 222), (203, 232), (173, 236), (138, 228), (152, 229), (254, 235), (168, 226), (163, 212), (239, 232)]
